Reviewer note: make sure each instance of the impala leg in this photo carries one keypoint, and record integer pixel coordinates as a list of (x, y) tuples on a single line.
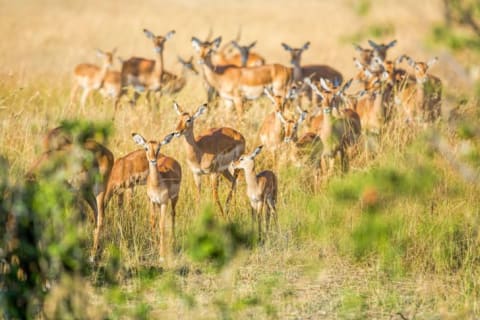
[(73, 94), (83, 101), (174, 213), (253, 213), (163, 212), (233, 180), (214, 183), (267, 216), (259, 220), (198, 184), (152, 216), (238, 101), (98, 210), (273, 212)]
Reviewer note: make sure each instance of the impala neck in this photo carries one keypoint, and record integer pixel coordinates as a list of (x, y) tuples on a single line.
[(209, 72), (297, 71), (251, 179), (190, 143), (103, 72), (152, 178), (158, 70)]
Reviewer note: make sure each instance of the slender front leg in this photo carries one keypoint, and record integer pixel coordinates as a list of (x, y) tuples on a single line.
[(259, 219), (233, 180), (152, 216), (174, 213), (97, 207), (83, 101), (214, 183), (163, 212), (198, 184), (238, 101)]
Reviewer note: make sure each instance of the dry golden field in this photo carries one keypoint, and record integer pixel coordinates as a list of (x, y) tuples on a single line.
[(416, 257)]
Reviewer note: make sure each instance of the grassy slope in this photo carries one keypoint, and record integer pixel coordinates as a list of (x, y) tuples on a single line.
[(415, 251)]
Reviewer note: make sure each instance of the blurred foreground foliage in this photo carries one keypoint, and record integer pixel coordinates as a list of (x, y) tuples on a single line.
[(44, 235)]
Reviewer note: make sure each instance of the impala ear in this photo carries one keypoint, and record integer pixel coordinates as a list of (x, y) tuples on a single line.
[(256, 152), (200, 111), (235, 44), (324, 85), (357, 47), (100, 53), (217, 42), (280, 117), (410, 61), (303, 115), (169, 34), (149, 34), (139, 140), (358, 64), (432, 61), (286, 47), (252, 44), (306, 45), (392, 44), (167, 138), (373, 44), (400, 59), (196, 43), (177, 108)]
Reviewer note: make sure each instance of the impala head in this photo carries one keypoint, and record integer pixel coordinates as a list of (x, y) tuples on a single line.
[(158, 41), (277, 100), (296, 53), (244, 51), (152, 148), (188, 64), (290, 126), (186, 120), (380, 50), (107, 56), (204, 49), (421, 68), (247, 161)]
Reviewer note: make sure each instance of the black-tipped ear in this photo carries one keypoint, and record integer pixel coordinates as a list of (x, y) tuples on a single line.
[(306, 45), (139, 139), (286, 47), (392, 44), (169, 34), (217, 42), (149, 34), (252, 44), (177, 108), (256, 152), (196, 43)]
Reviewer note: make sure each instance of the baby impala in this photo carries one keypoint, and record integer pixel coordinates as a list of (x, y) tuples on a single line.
[(261, 189)]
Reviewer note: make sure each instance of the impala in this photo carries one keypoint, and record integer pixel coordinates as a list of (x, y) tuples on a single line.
[(211, 152), (262, 189), (144, 74), (173, 83), (131, 170), (336, 133), (378, 50), (90, 179), (162, 185), (423, 100), (275, 128), (315, 71), (90, 77), (234, 84), (244, 58)]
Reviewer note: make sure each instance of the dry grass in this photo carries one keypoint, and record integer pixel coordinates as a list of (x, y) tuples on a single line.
[(305, 271)]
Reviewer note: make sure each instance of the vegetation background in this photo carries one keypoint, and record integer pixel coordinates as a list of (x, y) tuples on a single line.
[(396, 237)]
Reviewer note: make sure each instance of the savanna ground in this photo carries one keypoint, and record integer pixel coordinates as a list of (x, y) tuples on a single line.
[(396, 237)]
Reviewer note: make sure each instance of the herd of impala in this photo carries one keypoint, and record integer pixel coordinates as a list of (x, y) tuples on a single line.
[(336, 119)]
